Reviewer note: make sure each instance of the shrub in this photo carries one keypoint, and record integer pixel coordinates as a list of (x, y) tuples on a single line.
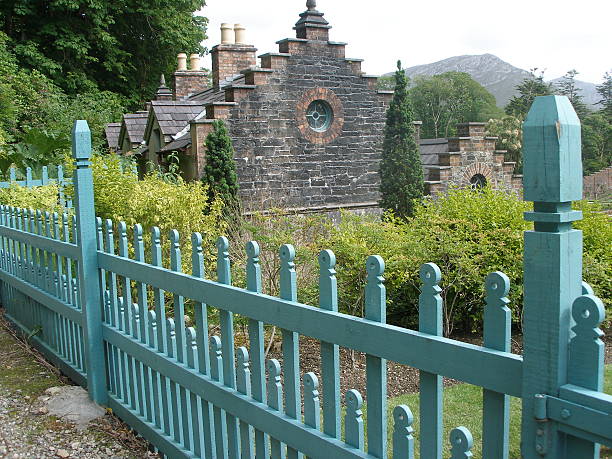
[(44, 198), (468, 235)]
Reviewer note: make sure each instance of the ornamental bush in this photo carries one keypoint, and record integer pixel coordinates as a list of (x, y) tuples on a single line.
[(468, 234)]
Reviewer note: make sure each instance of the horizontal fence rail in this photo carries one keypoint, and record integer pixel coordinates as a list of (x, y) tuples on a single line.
[(128, 317)]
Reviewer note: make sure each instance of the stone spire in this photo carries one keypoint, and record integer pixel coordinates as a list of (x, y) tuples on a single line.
[(163, 91), (311, 25)]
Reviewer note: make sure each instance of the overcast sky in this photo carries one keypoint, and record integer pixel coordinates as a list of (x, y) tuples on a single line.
[(556, 36)]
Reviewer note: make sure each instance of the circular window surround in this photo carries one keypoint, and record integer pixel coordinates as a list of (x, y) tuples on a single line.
[(320, 137)]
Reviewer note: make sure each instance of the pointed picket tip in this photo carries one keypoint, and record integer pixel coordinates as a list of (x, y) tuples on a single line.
[(552, 170), (81, 140)]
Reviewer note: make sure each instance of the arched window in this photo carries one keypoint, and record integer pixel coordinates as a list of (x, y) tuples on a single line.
[(478, 182)]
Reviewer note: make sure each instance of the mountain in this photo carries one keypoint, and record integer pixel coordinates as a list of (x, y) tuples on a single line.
[(499, 77)]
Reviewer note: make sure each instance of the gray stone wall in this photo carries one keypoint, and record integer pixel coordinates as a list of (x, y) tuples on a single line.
[(278, 166)]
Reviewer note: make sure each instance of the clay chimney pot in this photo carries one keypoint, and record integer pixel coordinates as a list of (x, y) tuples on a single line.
[(194, 62), (240, 34), (182, 62), (227, 34)]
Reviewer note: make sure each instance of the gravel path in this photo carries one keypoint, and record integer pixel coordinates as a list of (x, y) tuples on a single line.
[(26, 431)]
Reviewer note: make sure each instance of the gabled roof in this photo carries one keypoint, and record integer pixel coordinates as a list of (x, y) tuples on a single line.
[(111, 130), (172, 116), (133, 126)]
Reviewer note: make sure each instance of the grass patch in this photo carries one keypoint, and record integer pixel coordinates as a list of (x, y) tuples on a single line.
[(463, 407), (19, 370)]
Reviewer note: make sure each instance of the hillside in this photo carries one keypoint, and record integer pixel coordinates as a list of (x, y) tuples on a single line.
[(497, 76)]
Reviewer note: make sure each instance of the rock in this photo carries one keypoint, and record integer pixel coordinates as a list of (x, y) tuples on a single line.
[(42, 410), (62, 453), (72, 403)]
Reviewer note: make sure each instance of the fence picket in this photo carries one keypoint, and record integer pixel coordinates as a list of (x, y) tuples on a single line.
[(138, 369), (403, 441), (431, 387), (496, 406), (176, 418), (312, 407), (256, 344), (201, 318), (194, 404), (461, 443), (376, 368), (275, 401), (226, 322), (216, 373), (330, 353), (586, 360), (158, 411), (243, 385), (291, 342), (353, 420)]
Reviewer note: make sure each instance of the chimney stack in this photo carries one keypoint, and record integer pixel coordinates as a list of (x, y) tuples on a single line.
[(232, 55), (189, 82)]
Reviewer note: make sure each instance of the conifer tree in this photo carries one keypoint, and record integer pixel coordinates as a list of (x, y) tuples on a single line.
[(220, 169), (568, 87), (401, 172)]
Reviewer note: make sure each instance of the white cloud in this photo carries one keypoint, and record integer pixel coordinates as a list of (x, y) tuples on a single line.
[(556, 36)]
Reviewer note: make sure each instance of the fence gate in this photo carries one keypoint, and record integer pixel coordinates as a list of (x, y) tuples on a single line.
[(93, 296)]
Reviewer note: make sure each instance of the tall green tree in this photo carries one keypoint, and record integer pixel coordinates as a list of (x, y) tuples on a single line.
[(596, 142), (442, 101), (401, 171), (531, 87), (220, 170), (117, 45), (605, 92), (567, 87)]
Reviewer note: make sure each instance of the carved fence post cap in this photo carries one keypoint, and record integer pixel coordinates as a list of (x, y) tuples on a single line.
[(552, 170), (81, 140)]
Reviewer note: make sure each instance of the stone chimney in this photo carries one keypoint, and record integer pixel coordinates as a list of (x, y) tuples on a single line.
[(163, 92), (189, 81), (232, 55), (311, 25)]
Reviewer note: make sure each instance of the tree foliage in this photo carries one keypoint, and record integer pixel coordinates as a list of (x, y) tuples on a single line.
[(117, 45), (442, 101), (401, 172), (567, 87), (36, 115), (509, 133), (605, 92), (220, 170), (531, 87)]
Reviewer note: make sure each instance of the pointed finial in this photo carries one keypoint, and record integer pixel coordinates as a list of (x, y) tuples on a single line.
[(162, 80), (311, 5)]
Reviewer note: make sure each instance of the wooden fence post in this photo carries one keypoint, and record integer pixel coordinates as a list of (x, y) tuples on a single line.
[(552, 263), (89, 288)]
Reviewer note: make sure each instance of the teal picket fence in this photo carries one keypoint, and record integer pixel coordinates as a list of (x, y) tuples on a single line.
[(30, 180), (93, 301)]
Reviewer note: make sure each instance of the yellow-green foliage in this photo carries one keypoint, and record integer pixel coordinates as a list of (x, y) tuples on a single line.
[(153, 201), (43, 198), (468, 234)]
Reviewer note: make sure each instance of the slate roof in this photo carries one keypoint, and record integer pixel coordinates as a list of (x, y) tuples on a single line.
[(135, 124), (112, 135), (177, 144), (431, 148), (173, 116)]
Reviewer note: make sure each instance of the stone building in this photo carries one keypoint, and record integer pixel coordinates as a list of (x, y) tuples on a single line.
[(306, 124)]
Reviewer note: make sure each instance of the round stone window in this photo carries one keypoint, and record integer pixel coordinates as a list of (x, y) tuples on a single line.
[(319, 116), (478, 182)]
